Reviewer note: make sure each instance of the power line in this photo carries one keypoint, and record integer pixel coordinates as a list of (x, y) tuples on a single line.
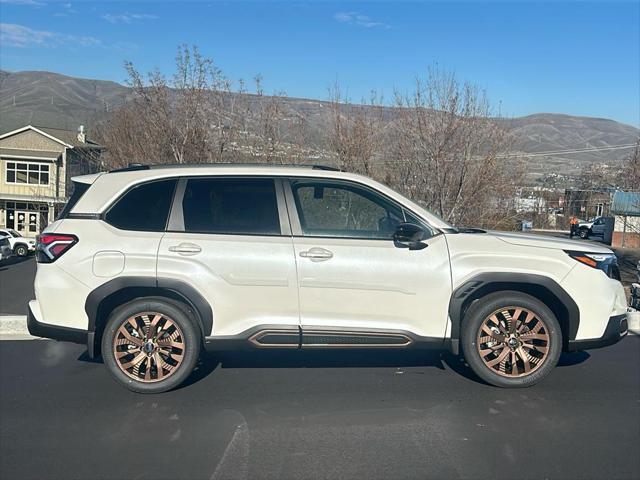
[(539, 154), (575, 150)]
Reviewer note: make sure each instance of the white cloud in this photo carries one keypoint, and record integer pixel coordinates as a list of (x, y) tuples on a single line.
[(67, 10), (14, 35), (358, 19), (128, 17)]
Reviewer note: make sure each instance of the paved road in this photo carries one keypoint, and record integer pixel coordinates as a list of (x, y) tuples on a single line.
[(262, 415), (16, 285)]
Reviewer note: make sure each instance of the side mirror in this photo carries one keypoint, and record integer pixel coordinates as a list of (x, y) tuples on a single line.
[(408, 235)]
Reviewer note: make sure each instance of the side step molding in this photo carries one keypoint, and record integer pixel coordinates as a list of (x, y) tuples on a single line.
[(346, 339), (315, 337), (277, 338)]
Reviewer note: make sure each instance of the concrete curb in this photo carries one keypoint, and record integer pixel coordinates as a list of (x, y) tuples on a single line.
[(14, 327)]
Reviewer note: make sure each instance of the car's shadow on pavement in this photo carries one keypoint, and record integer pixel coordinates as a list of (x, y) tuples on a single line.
[(13, 261), (209, 362)]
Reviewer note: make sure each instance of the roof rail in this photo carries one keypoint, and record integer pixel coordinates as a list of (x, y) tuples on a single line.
[(132, 167), (327, 167)]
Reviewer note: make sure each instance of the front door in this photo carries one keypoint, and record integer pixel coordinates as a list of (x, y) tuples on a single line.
[(229, 238), (21, 222), (27, 222), (598, 227), (351, 276)]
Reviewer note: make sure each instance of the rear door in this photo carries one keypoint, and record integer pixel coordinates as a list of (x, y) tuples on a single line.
[(229, 238), (351, 276)]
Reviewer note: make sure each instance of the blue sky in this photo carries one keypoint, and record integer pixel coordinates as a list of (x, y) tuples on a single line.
[(581, 58)]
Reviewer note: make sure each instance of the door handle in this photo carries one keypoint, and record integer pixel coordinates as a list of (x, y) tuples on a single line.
[(317, 254), (186, 249)]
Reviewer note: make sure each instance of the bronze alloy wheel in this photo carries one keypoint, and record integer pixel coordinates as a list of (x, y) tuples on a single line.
[(149, 347), (513, 342)]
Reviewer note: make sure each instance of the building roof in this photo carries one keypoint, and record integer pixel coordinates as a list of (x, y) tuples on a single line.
[(68, 138), (626, 203), (19, 153)]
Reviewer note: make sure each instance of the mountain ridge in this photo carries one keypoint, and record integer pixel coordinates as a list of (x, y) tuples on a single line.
[(54, 100)]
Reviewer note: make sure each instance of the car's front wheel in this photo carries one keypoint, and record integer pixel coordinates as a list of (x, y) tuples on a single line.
[(21, 250), (584, 233), (511, 339), (150, 346)]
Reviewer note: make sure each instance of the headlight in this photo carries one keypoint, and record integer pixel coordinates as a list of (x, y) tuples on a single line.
[(607, 262)]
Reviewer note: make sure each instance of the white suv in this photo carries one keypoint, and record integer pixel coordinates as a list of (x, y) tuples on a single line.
[(20, 245), (148, 266)]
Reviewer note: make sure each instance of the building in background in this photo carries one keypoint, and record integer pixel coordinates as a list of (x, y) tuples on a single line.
[(587, 204), (626, 208), (36, 164)]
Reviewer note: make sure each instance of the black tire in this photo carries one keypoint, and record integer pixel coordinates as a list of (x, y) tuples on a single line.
[(21, 250), (584, 233), (190, 336), (482, 310)]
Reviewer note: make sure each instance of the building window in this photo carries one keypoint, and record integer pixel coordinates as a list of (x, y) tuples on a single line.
[(599, 209), (27, 173)]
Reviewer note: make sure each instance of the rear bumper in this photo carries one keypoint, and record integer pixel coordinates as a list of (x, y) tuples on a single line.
[(617, 328), (55, 332)]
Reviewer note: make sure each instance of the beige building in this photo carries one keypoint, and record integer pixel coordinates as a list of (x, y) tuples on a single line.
[(36, 164)]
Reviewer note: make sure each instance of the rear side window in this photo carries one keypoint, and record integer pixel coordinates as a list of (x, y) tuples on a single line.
[(78, 191), (231, 205), (143, 208)]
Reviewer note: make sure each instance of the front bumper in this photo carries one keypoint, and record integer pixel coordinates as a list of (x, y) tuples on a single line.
[(617, 328), (55, 332)]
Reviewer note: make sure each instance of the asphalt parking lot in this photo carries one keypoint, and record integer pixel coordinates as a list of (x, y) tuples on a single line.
[(294, 415), (16, 285)]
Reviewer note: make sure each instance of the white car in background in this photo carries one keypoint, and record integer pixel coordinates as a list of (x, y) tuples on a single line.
[(5, 248), (20, 245)]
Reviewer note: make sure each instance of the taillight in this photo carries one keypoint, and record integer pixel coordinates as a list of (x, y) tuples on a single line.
[(51, 246)]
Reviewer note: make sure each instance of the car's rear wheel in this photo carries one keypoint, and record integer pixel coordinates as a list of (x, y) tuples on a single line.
[(150, 346), (21, 250), (511, 339)]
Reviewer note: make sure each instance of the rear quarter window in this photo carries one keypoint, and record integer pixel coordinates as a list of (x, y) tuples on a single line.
[(143, 208)]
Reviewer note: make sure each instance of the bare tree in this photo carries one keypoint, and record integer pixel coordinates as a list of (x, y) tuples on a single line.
[(448, 151), (167, 121), (631, 170), (355, 131), (270, 113)]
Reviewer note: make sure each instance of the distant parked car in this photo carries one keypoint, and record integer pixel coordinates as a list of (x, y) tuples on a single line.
[(593, 227), (5, 248), (20, 245)]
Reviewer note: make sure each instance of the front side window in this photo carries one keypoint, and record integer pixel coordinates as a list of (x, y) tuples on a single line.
[(143, 208), (27, 173), (339, 209), (231, 206)]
